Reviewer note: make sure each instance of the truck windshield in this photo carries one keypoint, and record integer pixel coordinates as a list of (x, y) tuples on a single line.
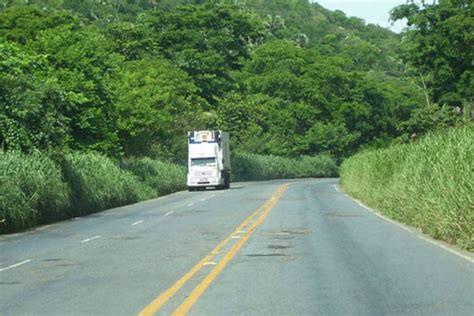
[(203, 162)]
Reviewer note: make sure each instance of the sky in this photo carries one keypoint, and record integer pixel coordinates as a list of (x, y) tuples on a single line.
[(372, 11)]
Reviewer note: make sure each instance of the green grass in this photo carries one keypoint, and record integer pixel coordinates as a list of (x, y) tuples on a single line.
[(98, 183), (250, 167), (31, 191), (428, 184), (36, 190), (162, 177)]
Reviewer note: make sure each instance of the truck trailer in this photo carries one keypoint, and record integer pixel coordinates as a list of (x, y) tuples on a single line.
[(208, 160)]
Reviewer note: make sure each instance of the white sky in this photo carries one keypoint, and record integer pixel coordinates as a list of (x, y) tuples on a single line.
[(372, 11)]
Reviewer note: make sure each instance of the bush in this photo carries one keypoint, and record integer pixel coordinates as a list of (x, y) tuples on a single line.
[(162, 177), (428, 184), (97, 183), (31, 191), (250, 167)]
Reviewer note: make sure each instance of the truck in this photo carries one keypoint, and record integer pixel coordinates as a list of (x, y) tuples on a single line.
[(208, 160)]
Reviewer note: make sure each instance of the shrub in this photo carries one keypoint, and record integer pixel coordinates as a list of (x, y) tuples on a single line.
[(31, 191), (161, 176), (97, 183)]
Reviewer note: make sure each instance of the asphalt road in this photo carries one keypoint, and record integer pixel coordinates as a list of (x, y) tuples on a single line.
[(268, 248)]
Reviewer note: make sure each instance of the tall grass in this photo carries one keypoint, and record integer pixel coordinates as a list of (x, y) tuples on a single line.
[(97, 183), (428, 184), (31, 191), (35, 190), (249, 167), (161, 176)]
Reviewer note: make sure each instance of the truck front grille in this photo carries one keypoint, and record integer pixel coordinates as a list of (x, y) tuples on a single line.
[(203, 174)]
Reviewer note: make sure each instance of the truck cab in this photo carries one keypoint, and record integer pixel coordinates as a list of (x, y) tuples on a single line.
[(208, 160)]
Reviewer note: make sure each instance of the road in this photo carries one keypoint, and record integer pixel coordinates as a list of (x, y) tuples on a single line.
[(297, 247)]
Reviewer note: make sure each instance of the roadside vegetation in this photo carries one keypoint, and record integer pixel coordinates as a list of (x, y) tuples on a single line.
[(428, 184), (96, 97), (35, 189), (161, 176), (250, 167), (97, 183), (31, 191)]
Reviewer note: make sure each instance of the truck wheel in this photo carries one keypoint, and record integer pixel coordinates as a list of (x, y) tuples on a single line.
[(191, 189), (227, 181)]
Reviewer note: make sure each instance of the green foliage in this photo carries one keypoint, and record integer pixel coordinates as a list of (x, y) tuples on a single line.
[(54, 90), (97, 183), (157, 104), (22, 24), (29, 117), (308, 98), (208, 42), (163, 177), (31, 191), (439, 45), (251, 167), (130, 78), (427, 184), (132, 41), (328, 139), (428, 119), (81, 66)]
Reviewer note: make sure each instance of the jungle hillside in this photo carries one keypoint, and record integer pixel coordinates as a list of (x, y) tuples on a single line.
[(285, 78)]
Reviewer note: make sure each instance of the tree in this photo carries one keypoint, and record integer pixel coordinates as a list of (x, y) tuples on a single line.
[(157, 104), (207, 41), (439, 43), (275, 69), (29, 116), (23, 23), (329, 138), (81, 63)]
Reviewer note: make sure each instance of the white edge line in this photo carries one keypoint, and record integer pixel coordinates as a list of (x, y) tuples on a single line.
[(91, 239), (137, 223), (15, 265), (190, 204), (422, 237), (336, 188), (384, 217), (436, 243), (169, 213)]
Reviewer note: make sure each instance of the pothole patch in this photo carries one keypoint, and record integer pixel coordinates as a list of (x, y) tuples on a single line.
[(278, 246), (267, 255), (287, 232)]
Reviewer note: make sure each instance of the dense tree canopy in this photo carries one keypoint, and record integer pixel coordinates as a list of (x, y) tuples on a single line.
[(439, 45), (129, 78)]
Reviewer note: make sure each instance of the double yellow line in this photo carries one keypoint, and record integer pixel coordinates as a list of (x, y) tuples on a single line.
[(249, 226)]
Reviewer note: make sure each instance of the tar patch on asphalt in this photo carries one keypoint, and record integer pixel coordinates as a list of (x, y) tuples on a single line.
[(278, 247), (267, 255)]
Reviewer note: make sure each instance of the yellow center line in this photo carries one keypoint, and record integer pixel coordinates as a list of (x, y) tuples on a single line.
[(202, 287), (156, 304)]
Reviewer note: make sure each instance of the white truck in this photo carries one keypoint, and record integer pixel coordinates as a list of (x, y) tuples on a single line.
[(208, 160)]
